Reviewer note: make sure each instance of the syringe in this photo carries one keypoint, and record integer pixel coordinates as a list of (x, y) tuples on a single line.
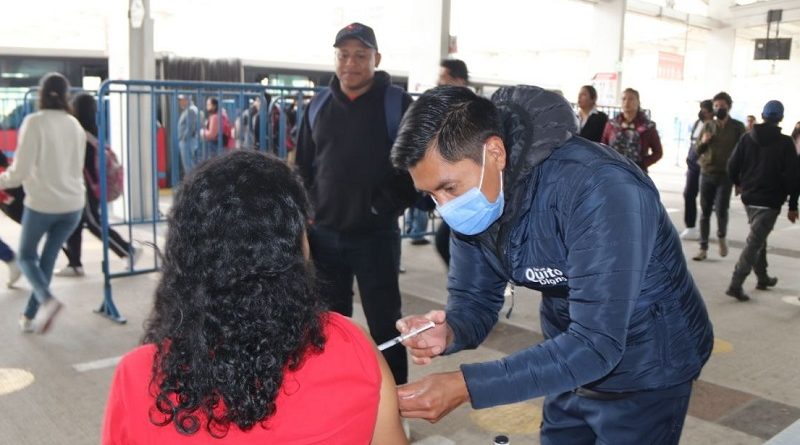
[(404, 337)]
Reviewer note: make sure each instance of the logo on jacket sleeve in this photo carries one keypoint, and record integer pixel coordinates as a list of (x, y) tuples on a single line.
[(545, 276)]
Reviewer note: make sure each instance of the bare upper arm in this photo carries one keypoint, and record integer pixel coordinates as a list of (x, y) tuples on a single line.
[(388, 427)]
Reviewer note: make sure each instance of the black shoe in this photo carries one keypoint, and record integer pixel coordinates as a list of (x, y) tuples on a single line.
[(737, 294), (419, 242), (769, 282)]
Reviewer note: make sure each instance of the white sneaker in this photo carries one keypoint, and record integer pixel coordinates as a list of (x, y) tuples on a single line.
[(47, 314), (13, 273), (70, 271), (690, 233), (25, 324), (130, 262)]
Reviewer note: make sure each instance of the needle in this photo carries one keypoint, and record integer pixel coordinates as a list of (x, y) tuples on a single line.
[(404, 337)]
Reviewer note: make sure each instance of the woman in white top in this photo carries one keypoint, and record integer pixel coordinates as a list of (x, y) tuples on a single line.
[(49, 164)]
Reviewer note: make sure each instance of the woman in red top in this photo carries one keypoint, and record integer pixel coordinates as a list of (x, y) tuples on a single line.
[(632, 134), (237, 349)]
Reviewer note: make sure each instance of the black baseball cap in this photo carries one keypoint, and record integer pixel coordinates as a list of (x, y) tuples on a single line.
[(357, 31)]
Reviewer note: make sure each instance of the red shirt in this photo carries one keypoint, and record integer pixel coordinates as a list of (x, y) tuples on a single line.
[(332, 399)]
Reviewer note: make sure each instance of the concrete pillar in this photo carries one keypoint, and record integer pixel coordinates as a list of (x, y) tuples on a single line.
[(719, 50), (432, 41), (132, 128), (608, 49)]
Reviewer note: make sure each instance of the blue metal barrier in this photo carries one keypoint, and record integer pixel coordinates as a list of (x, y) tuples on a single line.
[(139, 118)]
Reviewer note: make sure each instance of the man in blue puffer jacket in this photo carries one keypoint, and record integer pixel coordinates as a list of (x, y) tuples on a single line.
[(626, 328)]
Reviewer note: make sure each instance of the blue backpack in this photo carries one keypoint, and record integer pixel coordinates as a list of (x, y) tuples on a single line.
[(392, 107)]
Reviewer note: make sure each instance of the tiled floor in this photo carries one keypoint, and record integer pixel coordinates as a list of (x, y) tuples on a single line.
[(748, 392)]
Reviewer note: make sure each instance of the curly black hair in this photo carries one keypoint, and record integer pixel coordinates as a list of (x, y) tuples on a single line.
[(237, 303)]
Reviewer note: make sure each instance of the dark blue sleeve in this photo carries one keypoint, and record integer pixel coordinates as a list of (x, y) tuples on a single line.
[(610, 236), (475, 295)]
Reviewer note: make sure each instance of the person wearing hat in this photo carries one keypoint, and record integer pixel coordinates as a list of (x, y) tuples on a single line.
[(357, 195), (764, 170), (188, 132)]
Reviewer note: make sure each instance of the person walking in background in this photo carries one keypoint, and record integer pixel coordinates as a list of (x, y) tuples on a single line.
[(796, 137), (217, 129), (6, 253), (245, 353), (188, 132), (49, 165), (451, 72), (692, 187), (7, 256), (750, 121), (717, 142), (632, 134), (357, 195), (592, 120), (84, 108), (764, 170)]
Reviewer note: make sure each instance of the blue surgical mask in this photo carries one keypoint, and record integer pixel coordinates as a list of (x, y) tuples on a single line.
[(472, 213)]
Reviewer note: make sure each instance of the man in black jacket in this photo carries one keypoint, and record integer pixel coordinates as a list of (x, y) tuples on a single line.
[(763, 167), (343, 156)]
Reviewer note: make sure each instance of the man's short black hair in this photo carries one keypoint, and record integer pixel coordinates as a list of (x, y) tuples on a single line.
[(724, 96), (456, 68), (707, 105), (453, 120)]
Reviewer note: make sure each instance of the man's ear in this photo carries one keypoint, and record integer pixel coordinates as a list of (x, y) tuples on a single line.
[(496, 151), (377, 58)]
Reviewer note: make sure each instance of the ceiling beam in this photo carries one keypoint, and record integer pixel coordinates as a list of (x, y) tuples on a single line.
[(755, 14)]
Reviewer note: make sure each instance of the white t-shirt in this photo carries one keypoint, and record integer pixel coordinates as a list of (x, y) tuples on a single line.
[(48, 162)]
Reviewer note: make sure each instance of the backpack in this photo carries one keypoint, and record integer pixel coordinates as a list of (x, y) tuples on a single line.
[(227, 130), (115, 173), (392, 107)]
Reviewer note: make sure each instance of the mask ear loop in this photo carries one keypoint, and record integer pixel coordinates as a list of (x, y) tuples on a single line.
[(483, 168)]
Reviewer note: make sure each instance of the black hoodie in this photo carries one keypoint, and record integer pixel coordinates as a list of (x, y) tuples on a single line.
[(764, 165), (344, 161)]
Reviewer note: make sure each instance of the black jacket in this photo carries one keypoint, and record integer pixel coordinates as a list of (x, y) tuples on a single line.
[(344, 161), (764, 165), (595, 124)]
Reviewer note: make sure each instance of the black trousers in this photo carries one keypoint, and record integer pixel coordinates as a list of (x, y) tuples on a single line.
[(715, 196), (91, 220), (442, 240), (690, 192), (372, 258)]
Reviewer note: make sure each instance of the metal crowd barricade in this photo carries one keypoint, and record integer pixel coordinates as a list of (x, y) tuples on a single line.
[(138, 120)]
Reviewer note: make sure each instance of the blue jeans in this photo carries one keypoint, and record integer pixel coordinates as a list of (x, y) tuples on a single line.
[(6, 254), (416, 223), (648, 417), (188, 151), (56, 228)]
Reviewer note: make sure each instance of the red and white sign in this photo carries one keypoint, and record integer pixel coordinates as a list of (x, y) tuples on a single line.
[(670, 66)]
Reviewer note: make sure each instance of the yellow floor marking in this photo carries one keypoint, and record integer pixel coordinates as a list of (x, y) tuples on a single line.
[(721, 346), (518, 418), (12, 380)]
